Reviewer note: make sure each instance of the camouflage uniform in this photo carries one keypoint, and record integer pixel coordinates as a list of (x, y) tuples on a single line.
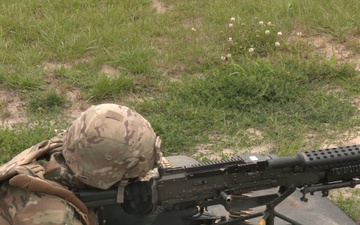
[(21, 206), (108, 143)]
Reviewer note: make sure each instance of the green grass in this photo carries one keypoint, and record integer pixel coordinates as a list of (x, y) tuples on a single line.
[(22, 136), (252, 94), (22, 79), (349, 204), (48, 101), (180, 70)]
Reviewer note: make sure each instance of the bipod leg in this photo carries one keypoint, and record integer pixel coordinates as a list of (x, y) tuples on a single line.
[(241, 221), (270, 214)]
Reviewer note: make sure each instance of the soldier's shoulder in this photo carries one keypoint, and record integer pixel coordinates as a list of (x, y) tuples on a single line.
[(29, 156)]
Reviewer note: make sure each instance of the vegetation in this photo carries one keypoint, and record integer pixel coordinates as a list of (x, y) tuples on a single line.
[(202, 72), (349, 202)]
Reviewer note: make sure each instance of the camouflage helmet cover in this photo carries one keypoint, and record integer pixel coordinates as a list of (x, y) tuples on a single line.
[(109, 143)]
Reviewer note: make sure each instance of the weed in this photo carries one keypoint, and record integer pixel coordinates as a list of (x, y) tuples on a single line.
[(21, 136), (257, 38), (350, 205), (132, 61), (4, 112), (110, 88), (22, 79), (47, 102)]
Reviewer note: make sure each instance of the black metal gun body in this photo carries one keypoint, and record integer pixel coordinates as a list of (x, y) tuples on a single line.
[(224, 182)]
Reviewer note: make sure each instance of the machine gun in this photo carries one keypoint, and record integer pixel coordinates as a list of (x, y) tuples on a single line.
[(225, 182)]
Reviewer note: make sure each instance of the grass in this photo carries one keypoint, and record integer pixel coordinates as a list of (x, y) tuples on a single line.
[(48, 101), (22, 136), (349, 204), (257, 95), (195, 77)]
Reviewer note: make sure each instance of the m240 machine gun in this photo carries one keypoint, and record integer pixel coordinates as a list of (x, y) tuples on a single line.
[(227, 182)]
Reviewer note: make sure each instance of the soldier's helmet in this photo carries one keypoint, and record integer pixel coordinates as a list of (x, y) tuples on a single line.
[(109, 143)]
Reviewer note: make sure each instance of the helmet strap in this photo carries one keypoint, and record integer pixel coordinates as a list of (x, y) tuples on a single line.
[(121, 190)]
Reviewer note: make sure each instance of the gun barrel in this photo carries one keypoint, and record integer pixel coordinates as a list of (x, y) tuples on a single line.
[(334, 157), (320, 159), (284, 162)]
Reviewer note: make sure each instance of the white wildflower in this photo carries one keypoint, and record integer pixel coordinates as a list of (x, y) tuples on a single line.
[(277, 44), (261, 23), (228, 56), (251, 50), (279, 33), (230, 39), (231, 25), (299, 34), (232, 19), (193, 29), (223, 58), (269, 23), (267, 32)]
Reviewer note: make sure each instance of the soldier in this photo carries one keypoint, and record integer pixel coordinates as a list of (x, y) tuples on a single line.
[(108, 145)]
